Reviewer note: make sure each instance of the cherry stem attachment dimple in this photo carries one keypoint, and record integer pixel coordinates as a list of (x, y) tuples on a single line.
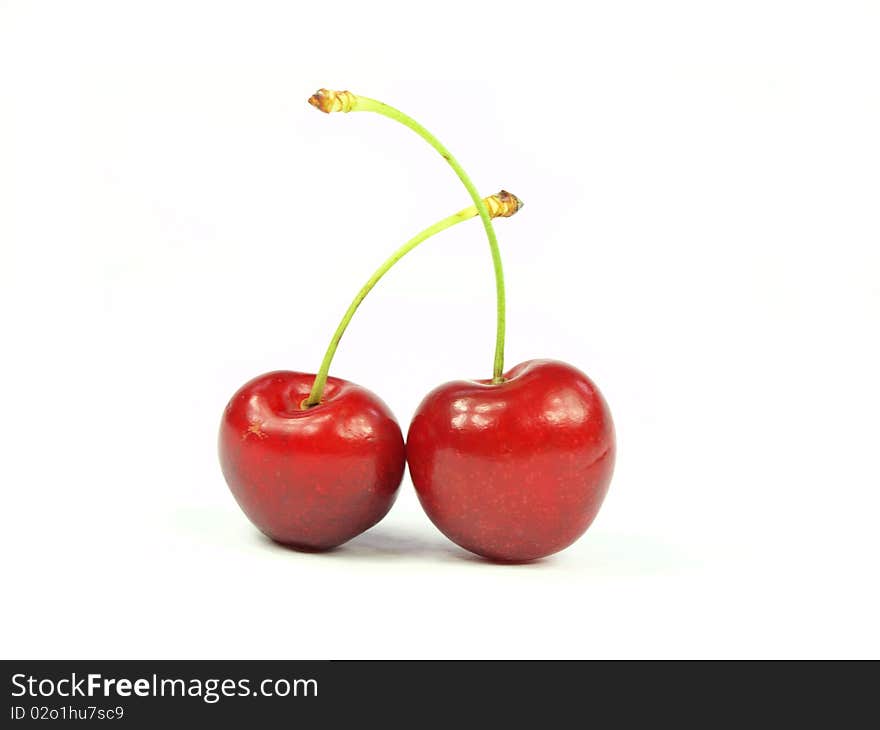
[(500, 205), (344, 101)]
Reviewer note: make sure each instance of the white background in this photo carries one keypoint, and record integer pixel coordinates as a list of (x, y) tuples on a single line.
[(700, 236)]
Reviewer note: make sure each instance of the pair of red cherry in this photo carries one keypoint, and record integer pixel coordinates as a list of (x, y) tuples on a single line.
[(513, 468)]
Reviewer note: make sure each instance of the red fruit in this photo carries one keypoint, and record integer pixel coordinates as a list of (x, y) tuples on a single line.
[(513, 471), (310, 478)]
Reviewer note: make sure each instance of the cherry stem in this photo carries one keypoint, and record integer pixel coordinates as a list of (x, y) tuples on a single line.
[(502, 204), (345, 101)]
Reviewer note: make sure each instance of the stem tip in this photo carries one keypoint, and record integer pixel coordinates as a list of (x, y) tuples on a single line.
[(502, 205), (328, 101)]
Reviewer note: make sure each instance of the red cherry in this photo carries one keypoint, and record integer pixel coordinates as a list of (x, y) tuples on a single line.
[(311, 478), (517, 470)]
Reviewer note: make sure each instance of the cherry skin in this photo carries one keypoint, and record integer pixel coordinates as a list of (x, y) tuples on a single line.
[(517, 470), (311, 478)]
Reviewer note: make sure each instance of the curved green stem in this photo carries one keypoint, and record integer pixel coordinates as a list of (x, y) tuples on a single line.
[(321, 378), (346, 101)]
